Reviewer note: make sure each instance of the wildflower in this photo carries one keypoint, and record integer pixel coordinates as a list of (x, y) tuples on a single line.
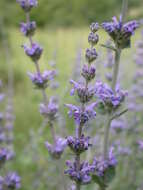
[(81, 117), (119, 32), (94, 27), (27, 5), (84, 93), (34, 52), (57, 148), (81, 175), (12, 181), (93, 38), (41, 80), (78, 145), (88, 72), (29, 28), (50, 110), (91, 55)]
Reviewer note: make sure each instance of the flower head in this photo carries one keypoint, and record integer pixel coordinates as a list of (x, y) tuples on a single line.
[(88, 72), (93, 38), (102, 165), (50, 110), (3, 156), (41, 80), (85, 94), (34, 52), (82, 117), (29, 28), (94, 27), (78, 145), (81, 175), (109, 100), (12, 181), (27, 5), (119, 32), (91, 55), (56, 149)]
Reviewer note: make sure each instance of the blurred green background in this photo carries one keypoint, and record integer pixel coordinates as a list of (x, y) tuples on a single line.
[(53, 17), (69, 12)]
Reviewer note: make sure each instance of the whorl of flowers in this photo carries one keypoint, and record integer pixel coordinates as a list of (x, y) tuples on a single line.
[(80, 173), (120, 32), (102, 165), (57, 148), (109, 101), (48, 108)]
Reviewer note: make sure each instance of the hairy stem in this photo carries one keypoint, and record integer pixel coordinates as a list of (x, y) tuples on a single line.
[(116, 69)]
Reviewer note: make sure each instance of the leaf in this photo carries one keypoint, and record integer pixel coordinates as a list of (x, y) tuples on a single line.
[(109, 175), (108, 47), (99, 180)]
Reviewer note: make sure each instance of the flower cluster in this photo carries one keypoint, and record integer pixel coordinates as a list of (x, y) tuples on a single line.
[(88, 72), (34, 52), (81, 174), (11, 182), (85, 94), (49, 111), (82, 117), (78, 145), (107, 99), (27, 5), (28, 29), (56, 149), (102, 165), (120, 32), (40, 80)]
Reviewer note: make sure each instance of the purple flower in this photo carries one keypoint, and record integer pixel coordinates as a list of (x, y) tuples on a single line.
[(27, 5), (108, 76), (29, 28), (3, 156), (80, 174), (34, 52), (119, 32), (12, 181), (85, 94), (91, 55), (82, 117), (94, 27), (118, 125), (2, 97), (93, 38), (88, 72), (112, 161), (101, 165), (78, 145), (49, 110), (140, 143), (41, 80), (56, 149), (124, 150), (107, 99)]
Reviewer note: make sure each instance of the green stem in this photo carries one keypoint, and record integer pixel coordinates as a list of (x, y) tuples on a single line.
[(124, 9), (116, 69)]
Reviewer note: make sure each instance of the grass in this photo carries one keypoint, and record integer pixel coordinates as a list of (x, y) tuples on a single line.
[(27, 99)]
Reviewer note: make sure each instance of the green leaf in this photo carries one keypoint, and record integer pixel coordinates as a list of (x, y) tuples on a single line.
[(109, 175), (108, 47), (99, 180)]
